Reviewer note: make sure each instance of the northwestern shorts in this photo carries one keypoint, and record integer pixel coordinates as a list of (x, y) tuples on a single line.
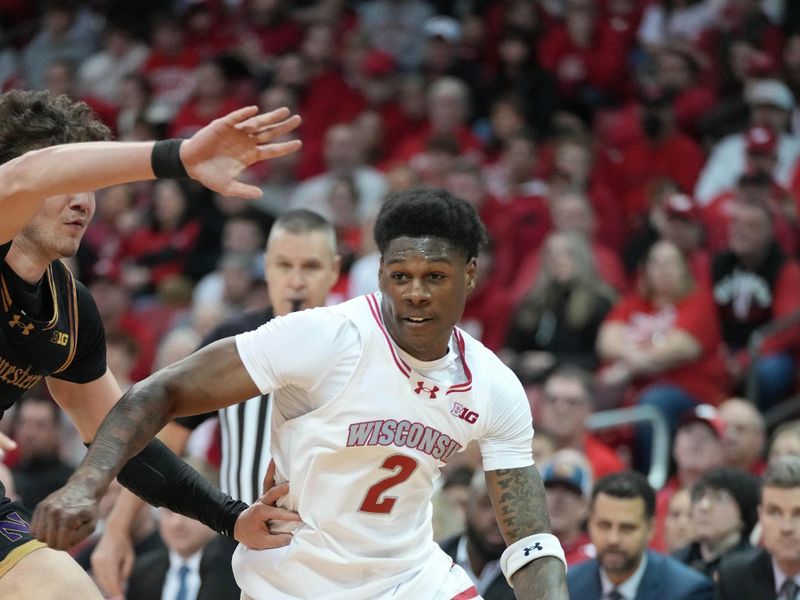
[(16, 540)]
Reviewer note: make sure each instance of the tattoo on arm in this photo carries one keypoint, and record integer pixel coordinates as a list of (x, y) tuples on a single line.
[(130, 425), (521, 510), (520, 506)]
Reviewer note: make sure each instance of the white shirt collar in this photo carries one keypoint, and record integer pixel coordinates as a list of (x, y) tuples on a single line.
[(630, 586), (781, 577), (176, 561)]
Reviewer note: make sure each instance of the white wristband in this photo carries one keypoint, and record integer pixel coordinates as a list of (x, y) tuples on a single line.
[(523, 551)]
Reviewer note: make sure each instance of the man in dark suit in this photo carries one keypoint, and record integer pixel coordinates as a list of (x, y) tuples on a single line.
[(186, 568), (620, 527), (772, 571), (478, 550)]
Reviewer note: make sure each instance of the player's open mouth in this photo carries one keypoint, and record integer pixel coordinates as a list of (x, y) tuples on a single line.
[(416, 320)]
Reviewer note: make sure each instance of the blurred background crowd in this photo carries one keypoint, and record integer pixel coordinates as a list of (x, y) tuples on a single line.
[(636, 163)]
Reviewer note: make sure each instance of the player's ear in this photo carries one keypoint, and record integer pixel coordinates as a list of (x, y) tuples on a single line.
[(472, 274)]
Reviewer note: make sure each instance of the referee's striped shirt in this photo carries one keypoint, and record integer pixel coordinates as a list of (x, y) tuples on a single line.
[(244, 427)]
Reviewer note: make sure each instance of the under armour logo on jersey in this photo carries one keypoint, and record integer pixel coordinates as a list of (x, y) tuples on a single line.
[(529, 549), (421, 387), (16, 322)]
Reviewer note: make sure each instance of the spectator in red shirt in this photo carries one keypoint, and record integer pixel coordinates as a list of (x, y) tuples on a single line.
[(678, 70), (756, 184), (663, 152), (754, 283), (567, 479), (586, 56), (665, 340), (211, 99), (489, 307), (271, 24), (448, 112), (744, 436), (160, 249), (683, 227), (170, 67), (574, 171), (565, 406)]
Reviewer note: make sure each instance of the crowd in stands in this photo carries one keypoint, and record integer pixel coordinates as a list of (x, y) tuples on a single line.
[(636, 164)]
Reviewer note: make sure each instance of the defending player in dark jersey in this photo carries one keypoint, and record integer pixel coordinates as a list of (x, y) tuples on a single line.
[(53, 154)]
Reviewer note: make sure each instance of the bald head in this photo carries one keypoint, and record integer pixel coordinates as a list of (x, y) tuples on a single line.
[(745, 433)]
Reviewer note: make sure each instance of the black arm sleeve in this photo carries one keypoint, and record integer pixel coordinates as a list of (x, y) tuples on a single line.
[(160, 478)]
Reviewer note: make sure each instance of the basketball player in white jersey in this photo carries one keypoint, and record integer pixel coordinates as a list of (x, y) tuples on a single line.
[(371, 399)]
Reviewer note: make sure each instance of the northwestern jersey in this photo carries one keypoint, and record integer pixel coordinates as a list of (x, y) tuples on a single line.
[(62, 336), (360, 430)]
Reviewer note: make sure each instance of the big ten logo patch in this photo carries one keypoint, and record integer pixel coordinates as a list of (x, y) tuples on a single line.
[(13, 527), (60, 338), (464, 413)]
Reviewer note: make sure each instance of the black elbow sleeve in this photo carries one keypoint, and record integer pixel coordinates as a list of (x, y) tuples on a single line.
[(160, 478)]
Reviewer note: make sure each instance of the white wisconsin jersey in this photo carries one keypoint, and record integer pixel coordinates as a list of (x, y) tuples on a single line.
[(361, 458)]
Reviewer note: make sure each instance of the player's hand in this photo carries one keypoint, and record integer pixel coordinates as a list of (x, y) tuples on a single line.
[(66, 516), (112, 562), (6, 445), (254, 526), (220, 151)]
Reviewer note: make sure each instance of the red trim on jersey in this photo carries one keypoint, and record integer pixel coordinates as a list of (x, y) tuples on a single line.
[(375, 310), (465, 386), (468, 593)]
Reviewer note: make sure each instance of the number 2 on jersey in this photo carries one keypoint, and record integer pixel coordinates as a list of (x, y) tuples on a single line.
[(373, 503)]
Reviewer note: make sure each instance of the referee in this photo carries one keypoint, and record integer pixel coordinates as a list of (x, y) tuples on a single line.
[(301, 266)]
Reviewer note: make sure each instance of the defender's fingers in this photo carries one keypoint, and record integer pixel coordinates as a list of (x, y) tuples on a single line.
[(267, 151), (240, 115), (263, 120), (237, 189), (276, 131)]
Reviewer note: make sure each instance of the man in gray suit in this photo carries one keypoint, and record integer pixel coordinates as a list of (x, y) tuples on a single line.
[(772, 571), (620, 527)]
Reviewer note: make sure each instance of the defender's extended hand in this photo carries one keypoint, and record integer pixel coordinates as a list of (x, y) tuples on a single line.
[(253, 526), (66, 516), (221, 150)]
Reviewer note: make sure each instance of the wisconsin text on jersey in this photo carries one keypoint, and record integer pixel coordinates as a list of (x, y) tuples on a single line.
[(390, 432)]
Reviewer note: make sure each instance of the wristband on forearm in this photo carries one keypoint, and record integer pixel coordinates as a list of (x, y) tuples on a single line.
[(528, 549), (160, 478), (166, 160)]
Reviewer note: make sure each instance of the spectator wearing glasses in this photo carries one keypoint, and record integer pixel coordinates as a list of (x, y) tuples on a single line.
[(723, 512)]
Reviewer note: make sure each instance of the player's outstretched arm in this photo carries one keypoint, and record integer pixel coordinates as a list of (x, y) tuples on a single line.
[(214, 156), (521, 511), (210, 379)]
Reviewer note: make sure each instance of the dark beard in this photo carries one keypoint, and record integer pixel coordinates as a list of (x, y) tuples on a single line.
[(487, 551)]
